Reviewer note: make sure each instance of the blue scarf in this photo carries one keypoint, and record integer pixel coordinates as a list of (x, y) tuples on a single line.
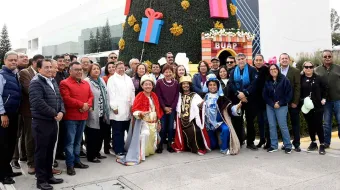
[(100, 85), (244, 79)]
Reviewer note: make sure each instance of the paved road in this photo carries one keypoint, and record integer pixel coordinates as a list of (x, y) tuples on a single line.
[(248, 170)]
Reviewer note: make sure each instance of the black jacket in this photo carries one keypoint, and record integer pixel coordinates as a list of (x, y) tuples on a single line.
[(60, 76), (315, 87), (277, 91), (248, 90), (262, 76), (45, 102)]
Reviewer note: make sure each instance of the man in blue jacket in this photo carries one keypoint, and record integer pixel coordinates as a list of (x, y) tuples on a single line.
[(10, 93), (47, 109)]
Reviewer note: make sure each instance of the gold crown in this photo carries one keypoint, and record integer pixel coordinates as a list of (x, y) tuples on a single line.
[(185, 79), (147, 77)]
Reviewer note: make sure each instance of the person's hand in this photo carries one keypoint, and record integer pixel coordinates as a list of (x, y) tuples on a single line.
[(244, 100), (4, 121), (276, 105), (167, 110), (85, 107), (143, 114), (323, 102), (201, 104), (241, 95), (115, 111), (293, 105), (59, 117), (239, 105)]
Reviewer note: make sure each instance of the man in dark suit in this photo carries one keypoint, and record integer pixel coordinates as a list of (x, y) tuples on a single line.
[(47, 108), (293, 76), (25, 77)]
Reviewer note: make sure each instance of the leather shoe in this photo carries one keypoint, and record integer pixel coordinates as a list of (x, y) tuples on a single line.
[(70, 171), (54, 180), (15, 174), (252, 147), (94, 160), (101, 157), (80, 165), (31, 171), (7, 181), (44, 186)]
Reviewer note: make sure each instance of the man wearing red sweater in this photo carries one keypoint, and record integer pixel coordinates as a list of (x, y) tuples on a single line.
[(78, 99)]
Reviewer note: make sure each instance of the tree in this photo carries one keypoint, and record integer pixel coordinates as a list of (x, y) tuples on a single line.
[(5, 44), (105, 40), (93, 43), (97, 40), (195, 20), (335, 25), (336, 39)]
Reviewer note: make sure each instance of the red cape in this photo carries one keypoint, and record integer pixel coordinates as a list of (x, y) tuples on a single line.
[(142, 103)]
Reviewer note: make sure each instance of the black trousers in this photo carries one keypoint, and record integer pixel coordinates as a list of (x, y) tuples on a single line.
[(251, 113), (314, 122), (45, 135), (61, 139), (8, 138), (238, 126), (118, 129), (95, 139)]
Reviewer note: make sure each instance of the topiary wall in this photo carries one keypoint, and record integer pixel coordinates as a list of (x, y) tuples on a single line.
[(195, 20)]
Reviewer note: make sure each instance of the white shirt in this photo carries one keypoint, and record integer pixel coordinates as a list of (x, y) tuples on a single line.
[(49, 81), (284, 71)]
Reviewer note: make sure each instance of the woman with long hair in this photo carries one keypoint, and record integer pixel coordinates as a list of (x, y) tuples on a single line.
[(99, 116), (110, 69), (277, 93), (141, 70), (180, 71), (223, 78), (313, 98), (200, 78)]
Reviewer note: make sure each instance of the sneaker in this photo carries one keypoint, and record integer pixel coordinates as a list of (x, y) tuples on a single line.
[(312, 147), (15, 164), (288, 150), (120, 155), (224, 151), (201, 152), (322, 150), (271, 149), (56, 172), (297, 149)]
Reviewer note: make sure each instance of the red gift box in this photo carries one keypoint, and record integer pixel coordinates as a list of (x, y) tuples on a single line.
[(218, 9)]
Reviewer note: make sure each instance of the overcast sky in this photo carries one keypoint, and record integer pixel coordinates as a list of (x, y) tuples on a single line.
[(23, 15)]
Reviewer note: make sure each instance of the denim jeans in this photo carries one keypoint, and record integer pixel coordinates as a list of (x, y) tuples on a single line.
[(167, 122), (278, 115), (330, 108), (224, 136), (74, 134)]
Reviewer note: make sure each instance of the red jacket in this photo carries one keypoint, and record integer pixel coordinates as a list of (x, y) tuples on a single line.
[(75, 94)]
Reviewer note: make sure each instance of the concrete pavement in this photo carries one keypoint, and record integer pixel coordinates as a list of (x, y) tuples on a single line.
[(248, 170)]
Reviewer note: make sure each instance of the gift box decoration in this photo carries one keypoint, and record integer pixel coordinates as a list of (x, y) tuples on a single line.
[(218, 9), (127, 7), (151, 26)]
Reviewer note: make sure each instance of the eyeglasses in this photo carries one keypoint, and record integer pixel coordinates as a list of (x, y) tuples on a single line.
[(327, 56), (308, 67), (273, 69), (230, 62), (113, 57)]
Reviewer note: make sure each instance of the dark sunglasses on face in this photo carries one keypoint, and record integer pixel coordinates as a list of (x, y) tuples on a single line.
[(113, 57), (308, 67), (230, 62), (327, 56)]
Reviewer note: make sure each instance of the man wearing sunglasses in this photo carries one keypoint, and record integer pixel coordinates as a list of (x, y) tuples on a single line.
[(293, 76), (330, 75), (231, 64)]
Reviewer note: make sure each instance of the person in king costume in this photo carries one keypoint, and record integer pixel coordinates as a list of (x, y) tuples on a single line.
[(216, 110), (190, 132), (143, 137)]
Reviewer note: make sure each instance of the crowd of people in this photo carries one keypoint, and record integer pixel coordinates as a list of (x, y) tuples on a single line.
[(51, 109)]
